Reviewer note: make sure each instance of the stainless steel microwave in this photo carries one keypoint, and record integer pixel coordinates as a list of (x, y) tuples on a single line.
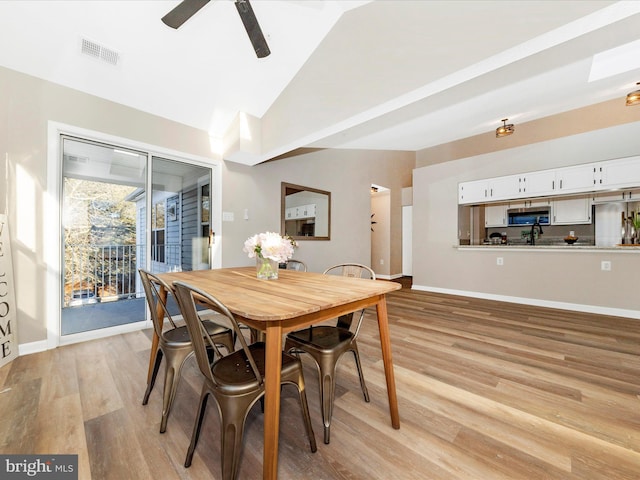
[(529, 216)]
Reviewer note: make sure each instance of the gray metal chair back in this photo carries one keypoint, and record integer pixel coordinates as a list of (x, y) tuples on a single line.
[(326, 344), (236, 381), (354, 270), (298, 265), (174, 342)]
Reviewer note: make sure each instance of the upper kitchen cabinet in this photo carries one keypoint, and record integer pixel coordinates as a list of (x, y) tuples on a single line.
[(504, 188), (473, 192), (619, 173), (585, 178), (489, 190), (540, 183), (576, 179)]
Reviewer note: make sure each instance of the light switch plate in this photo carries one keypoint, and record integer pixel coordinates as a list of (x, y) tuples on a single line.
[(227, 216)]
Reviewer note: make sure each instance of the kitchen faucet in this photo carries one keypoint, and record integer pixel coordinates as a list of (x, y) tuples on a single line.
[(533, 231)]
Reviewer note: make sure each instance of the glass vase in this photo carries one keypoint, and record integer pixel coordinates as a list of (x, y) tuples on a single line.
[(266, 268)]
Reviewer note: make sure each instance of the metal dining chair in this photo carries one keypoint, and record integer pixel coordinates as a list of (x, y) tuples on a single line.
[(298, 265), (174, 342), (236, 381), (327, 343)]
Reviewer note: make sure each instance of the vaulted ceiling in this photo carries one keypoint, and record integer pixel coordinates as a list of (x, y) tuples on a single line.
[(390, 74)]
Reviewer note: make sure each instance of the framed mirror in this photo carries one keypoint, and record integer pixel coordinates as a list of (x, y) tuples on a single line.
[(305, 213)]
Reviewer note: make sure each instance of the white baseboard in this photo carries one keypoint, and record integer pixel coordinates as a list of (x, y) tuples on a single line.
[(33, 347), (42, 345), (576, 307)]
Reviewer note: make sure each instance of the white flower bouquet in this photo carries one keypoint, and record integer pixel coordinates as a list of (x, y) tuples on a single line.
[(269, 249)]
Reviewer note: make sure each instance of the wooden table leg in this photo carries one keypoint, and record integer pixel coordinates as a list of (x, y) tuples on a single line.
[(273, 368), (385, 342)]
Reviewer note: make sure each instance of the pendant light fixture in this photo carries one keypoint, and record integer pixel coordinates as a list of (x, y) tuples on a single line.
[(633, 98), (504, 129)]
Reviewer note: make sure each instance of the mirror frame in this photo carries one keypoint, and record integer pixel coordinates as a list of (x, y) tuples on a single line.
[(290, 186)]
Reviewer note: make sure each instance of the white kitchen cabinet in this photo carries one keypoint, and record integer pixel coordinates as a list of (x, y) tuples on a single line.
[(290, 213), (632, 195), (620, 173), (301, 211), (504, 188), (576, 179), (488, 190), (495, 215), (538, 183), (610, 197), (571, 211), (309, 211), (531, 202), (473, 192)]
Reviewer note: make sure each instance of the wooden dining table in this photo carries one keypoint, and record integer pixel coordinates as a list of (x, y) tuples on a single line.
[(294, 300)]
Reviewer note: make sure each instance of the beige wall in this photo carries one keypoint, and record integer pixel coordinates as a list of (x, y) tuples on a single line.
[(568, 279), (347, 174), (27, 104)]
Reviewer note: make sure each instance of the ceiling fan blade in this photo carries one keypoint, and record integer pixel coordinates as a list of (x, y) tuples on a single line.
[(183, 12), (253, 29)]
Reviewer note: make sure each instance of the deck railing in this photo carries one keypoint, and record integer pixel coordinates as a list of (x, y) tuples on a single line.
[(99, 273)]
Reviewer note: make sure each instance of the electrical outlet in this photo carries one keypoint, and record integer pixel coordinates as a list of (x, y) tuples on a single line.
[(499, 261), (381, 261), (605, 265)]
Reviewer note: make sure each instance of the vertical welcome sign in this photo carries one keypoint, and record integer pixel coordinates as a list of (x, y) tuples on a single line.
[(8, 337)]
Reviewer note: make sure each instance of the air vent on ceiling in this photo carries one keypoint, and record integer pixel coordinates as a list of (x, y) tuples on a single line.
[(100, 52)]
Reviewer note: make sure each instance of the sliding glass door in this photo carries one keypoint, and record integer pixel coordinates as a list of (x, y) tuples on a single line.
[(112, 227), (180, 216)]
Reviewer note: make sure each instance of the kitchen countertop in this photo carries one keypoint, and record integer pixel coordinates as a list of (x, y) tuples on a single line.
[(557, 247)]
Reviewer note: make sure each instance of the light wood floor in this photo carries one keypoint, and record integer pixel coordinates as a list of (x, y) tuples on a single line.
[(487, 391)]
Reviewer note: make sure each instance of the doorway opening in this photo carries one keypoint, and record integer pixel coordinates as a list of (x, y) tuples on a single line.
[(381, 231)]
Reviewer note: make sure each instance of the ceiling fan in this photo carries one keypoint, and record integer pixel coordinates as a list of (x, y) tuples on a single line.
[(187, 8)]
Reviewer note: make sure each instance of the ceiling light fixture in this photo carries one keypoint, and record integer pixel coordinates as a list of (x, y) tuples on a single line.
[(504, 129), (633, 98)]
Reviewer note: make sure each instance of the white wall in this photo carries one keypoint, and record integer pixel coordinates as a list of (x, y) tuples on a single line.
[(407, 240)]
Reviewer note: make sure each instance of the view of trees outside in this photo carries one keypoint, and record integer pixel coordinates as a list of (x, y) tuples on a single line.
[(99, 240)]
